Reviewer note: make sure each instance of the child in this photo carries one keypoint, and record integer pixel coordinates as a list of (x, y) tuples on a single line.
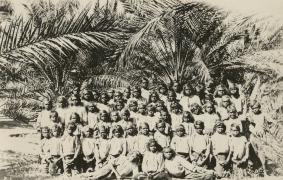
[(115, 118), (236, 98), (96, 96), (44, 148), (153, 99), (70, 149), (92, 115), (102, 146), (43, 118), (151, 119), (125, 118), (142, 114), (104, 120), (55, 120), (87, 97), (171, 97), (162, 90), (221, 151), (200, 146), (196, 111), (145, 93), (121, 167), (77, 107), (118, 144), (160, 135), (180, 142), (176, 114), (210, 117), (143, 137), (188, 122), (133, 107), (179, 167), (103, 103), (136, 95), (88, 149), (222, 108), (165, 117), (153, 162), (119, 105), (127, 93), (233, 119), (189, 97), (131, 137), (219, 92), (177, 88), (75, 118), (240, 148), (62, 109)]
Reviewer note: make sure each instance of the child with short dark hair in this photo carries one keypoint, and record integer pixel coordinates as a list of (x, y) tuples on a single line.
[(118, 144), (180, 142), (143, 137), (131, 137), (200, 146), (102, 146), (75, 118), (92, 115), (44, 148), (210, 117), (160, 135), (188, 123), (70, 147), (176, 114), (196, 111), (88, 149)]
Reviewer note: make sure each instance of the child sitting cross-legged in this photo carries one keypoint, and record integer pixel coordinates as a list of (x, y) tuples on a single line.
[(160, 135), (88, 149), (102, 146), (118, 144), (180, 142)]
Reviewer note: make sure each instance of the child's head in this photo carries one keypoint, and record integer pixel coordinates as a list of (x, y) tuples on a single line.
[(75, 118), (142, 108), (71, 127), (115, 117), (56, 130), (234, 90), (75, 100), (118, 96), (180, 130), (152, 145), (133, 106), (103, 132), (188, 117), (188, 90), (196, 109), (47, 104), (87, 95), (171, 96), (144, 128), (153, 97), (127, 93), (209, 87), (131, 129), (199, 126), (209, 107), (175, 107), (104, 116), (208, 98), (220, 91), (199, 88), (225, 101), (110, 93), (62, 102), (162, 89), (220, 127), (235, 130), (76, 90), (104, 98), (160, 106), (168, 153), (150, 110), (176, 87), (91, 107), (54, 116), (232, 112), (256, 107), (125, 115), (164, 115), (96, 95), (119, 105), (117, 131), (144, 83), (136, 92), (160, 126), (45, 132), (135, 157), (87, 132)]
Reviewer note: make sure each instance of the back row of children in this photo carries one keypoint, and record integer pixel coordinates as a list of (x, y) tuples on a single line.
[(207, 126)]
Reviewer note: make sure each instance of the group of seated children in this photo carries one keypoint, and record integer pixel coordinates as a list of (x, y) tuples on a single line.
[(177, 132)]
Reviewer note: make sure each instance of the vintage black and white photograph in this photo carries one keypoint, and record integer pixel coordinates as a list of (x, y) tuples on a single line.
[(141, 89)]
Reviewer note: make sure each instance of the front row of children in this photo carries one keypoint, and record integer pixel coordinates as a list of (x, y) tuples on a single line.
[(138, 154)]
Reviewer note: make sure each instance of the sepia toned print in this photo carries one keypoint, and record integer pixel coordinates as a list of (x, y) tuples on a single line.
[(141, 89)]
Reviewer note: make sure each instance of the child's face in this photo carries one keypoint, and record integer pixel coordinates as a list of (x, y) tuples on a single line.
[(220, 92), (133, 107), (209, 108), (87, 95), (153, 98), (180, 132), (70, 130), (60, 104), (174, 110), (119, 106), (87, 133), (220, 129), (47, 105), (164, 115), (125, 116), (117, 134), (162, 90), (54, 118), (195, 110), (55, 133), (75, 119), (161, 127), (171, 97), (104, 99), (233, 115), (136, 94), (235, 131), (45, 134), (144, 84), (103, 134), (91, 108), (75, 101), (176, 87), (199, 129), (144, 130), (150, 113), (142, 110), (103, 117), (114, 117), (168, 154), (187, 91), (225, 102), (95, 96), (110, 93), (130, 131), (152, 148)]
